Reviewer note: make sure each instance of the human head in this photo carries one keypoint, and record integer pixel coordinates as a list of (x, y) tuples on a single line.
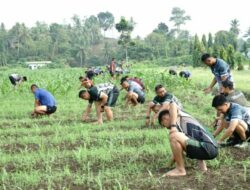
[(24, 78), (113, 59), (86, 82), (83, 94), (160, 90), (182, 74), (33, 87), (208, 59), (124, 82), (164, 119), (221, 104), (227, 87)]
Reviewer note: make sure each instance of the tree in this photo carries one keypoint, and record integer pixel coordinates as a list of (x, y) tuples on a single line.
[(161, 28), (125, 27), (158, 42), (178, 17), (198, 50), (231, 56), (93, 29), (106, 20), (223, 53), (247, 35), (224, 38), (210, 41), (235, 27), (3, 45), (245, 48), (204, 40)]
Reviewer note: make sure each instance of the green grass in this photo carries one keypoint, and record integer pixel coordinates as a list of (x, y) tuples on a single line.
[(61, 152)]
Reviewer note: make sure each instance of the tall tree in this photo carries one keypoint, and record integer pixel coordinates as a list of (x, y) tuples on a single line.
[(158, 42), (231, 56), (235, 27), (106, 20), (210, 41), (3, 45), (125, 27), (161, 28), (247, 35), (223, 53), (179, 18), (204, 40), (198, 50)]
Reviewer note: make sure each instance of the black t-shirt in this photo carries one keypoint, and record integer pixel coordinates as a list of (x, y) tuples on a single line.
[(160, 100), (94, 94), (95, 91)]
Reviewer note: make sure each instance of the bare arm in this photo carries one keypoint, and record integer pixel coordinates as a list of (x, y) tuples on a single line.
[(104, 99), (209, 89), (148, 112), (218, 130), (229, 131), (100, 107), (87, 112), (173, 116), (37, 103)]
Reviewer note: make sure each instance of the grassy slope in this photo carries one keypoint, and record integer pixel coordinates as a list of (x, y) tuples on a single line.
[(62, 152)]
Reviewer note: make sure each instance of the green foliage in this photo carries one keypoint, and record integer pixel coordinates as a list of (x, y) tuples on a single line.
[(198, 50), (178, 17), (106, 20), (125, 27), (62, 152)]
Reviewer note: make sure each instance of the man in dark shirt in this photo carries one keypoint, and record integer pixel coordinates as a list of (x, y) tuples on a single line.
[(45, 103), (185, 74), (236, 120), (16, 79), (187, 135), (104, 95), (220, 70), (160, 102)]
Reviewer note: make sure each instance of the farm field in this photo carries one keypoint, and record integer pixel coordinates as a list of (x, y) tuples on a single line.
[(62, 152)]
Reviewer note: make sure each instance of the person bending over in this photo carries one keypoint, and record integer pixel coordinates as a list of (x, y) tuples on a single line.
[(236, 121), (220, 70), (135, 91), (103, 95), (45, 103), (188, 136), (160, 102)]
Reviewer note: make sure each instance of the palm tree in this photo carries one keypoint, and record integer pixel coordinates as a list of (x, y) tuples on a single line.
[(235, 27)]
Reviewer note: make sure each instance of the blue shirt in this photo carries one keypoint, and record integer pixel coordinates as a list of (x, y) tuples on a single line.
[(221, 69), (237, 112), (136, 88), (185, 74), (45, 98)]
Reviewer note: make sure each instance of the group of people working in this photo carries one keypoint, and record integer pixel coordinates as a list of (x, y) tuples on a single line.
[(186, 134)]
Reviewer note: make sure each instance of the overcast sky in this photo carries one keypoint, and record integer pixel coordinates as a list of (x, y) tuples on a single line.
[(207, 15)]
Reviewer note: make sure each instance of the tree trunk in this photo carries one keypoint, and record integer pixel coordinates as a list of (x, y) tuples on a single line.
[(81, 58), (126, 49)]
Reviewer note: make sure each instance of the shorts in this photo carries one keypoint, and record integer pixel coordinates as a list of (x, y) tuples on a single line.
[(141, 99), (112, 73), (200, 150), (112, 97), (51, 109), (12, 80)]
